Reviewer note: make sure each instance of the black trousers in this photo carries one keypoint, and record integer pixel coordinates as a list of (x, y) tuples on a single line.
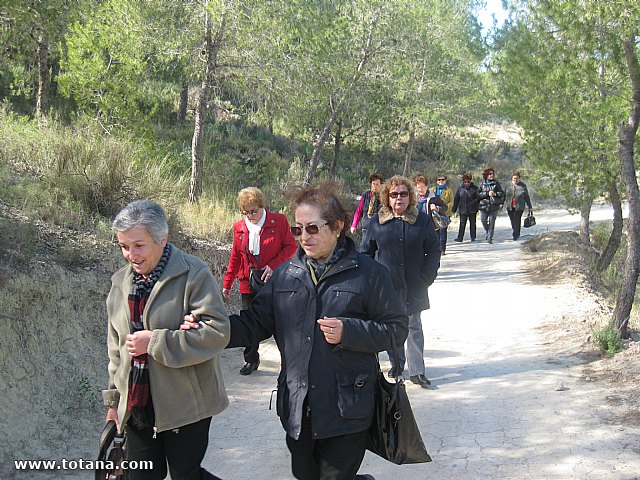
[(334, 458), (516, 221), (471, 217), (182, 450), (251, 354), (442, 238)]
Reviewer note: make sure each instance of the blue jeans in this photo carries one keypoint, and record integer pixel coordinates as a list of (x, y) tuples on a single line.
[(488, 220)]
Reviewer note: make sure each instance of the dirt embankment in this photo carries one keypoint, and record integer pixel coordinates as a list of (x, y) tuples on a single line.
[(557, 257), (53, 287)]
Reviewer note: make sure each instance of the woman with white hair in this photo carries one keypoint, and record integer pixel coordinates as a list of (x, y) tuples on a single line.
[(165, 384)]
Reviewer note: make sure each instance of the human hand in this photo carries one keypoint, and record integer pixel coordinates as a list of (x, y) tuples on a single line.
[(266, 275), (353, 230), (190, 321), (138, 342), (226, 293), (332, 329), (112, 414), (492, 193)]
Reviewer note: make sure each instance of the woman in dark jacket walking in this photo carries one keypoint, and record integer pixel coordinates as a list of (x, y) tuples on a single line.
[(491, 198), (330, 310), (465, 201), (517, 197), (404, 240)]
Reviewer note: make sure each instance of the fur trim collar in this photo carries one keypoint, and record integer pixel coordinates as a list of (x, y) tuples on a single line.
[(410, 215)]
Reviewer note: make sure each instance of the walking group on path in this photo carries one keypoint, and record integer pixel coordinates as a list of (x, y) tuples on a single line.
[(329, 305)]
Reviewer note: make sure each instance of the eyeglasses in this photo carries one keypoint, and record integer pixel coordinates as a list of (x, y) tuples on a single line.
[(402, 194), (250, 212), (441, 179), (310, 229)]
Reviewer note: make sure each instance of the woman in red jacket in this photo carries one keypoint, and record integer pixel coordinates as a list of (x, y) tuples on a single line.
[(262, 240)]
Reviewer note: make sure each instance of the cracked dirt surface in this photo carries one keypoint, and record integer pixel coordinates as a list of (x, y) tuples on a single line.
[(516, 393)]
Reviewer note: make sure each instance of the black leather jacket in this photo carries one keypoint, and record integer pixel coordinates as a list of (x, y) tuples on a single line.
[(487, 202), (336, 382)]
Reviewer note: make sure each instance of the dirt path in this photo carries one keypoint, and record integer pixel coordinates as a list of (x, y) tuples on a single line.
[(494, 410)]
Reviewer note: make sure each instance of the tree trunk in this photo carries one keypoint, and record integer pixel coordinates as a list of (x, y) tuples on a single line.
[(408, 154), (311, 174), (585, 214), (336, 151), (616, 230), (269, 107), (42, 99), (197, 144), (184, 102), (627, 136), (337, 107)]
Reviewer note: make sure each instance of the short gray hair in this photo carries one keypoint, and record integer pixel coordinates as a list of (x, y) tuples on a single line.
[(142, 213)]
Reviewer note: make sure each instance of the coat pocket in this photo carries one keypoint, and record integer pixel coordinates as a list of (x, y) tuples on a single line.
[(355, 393)]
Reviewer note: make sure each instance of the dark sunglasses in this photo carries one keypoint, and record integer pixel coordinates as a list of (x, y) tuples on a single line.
[(249, 212), (441, 179), (310, 229), (399, 194)]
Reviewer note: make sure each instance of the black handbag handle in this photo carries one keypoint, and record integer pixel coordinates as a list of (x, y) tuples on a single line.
[(106, 437), (396, 356), (246, 253)]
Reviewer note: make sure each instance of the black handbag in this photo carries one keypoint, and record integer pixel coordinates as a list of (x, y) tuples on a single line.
[(394, 434), (255, 279), (440, 220), (111, 454), (255, 274), (529, 220)]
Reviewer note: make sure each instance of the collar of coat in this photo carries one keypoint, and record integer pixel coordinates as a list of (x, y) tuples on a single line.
[(349, 259), (410, 215)]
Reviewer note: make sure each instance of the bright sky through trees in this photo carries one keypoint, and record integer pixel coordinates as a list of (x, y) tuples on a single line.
[(485, 15)]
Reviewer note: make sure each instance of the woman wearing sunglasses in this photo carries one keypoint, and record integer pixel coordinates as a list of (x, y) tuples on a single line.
[(442, 191), (491, 196), (403, 239), (262, 240), (330, 310)]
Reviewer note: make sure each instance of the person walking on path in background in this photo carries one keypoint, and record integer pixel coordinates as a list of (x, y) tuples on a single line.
[(368, 205), (442, 190), (403, 239), (330, 310), (517, 197), (491, 198), (262, 240), (465, 202), (427, 200), (165, 384)]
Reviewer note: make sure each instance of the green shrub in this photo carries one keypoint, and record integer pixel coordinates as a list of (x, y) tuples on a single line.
[(608, 340)]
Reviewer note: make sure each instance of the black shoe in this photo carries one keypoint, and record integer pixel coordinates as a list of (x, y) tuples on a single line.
[(392, 373), (365, 476), (421, 380), (473, 239), (249, 367), (490, 241), (459, 240)]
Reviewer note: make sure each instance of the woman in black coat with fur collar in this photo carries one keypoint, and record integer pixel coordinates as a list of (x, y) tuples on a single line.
[(404, 240)]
